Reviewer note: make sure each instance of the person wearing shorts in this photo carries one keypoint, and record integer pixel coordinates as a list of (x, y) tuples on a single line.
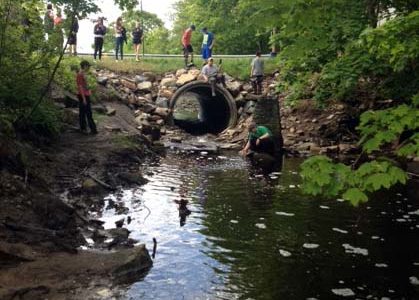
[(187, 47), (207, 43)]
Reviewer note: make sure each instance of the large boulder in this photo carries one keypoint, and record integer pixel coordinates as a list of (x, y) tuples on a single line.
[(145, 86), (234, 87), (162, 102), (166, 93), (185, 78), (168, 81), (180, 72), (161, 111)]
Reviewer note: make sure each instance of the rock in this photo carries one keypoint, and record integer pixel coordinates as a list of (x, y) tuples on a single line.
[(148, 108), (70, 116), (149, 76), (161, 111), (194, 72), (249, 107), (129, 84), (90, 186), (113, 128), (139, 78), (136, 263), (185, 78), (180, 72), (141, 100), (120, 223), (162, 102), (234, 87), (347, 148), (152, 131), (142, 119), (110, 111), (132, 178), (70, 100), (330, 117), (292, 130), (145, 86), (306, 146), (160, 123), (168, 81), (166, 93), (102, 80), (247, 88), (176, 139), (314, 121), (300, 132)]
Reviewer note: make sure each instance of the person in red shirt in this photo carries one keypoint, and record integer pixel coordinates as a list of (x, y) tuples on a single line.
[(85, 109), (187, 47)]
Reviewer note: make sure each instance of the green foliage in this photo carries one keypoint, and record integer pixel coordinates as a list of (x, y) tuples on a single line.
[(322, 176), (378, 129)]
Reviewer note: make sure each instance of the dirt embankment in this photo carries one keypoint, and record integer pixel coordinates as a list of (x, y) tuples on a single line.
[(46, 194)]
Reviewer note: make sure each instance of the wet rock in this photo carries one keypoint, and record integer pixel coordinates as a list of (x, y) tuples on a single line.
[(168, 82), (133, 266), (99, 109), (113, 128), (185, 78), (120, 223), (102, 80), (145, 86), (132, 178), (306, 146)]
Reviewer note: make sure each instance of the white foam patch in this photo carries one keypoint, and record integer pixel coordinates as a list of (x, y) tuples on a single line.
[(282, 213), (285, 253), (340, 200), (324, 207), (401, 220), (345, 292), (291, 186), (89, 241), (414, 280), (381, 265), (310, 246), (340, 230), (260, 225), (355, 250), (416, 212), (374, 237), (234, 221)]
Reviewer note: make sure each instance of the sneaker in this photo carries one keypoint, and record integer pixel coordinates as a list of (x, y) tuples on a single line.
[(137, 59), (213, 94)]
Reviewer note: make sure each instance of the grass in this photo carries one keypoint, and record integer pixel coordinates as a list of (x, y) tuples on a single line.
[(236, 67)]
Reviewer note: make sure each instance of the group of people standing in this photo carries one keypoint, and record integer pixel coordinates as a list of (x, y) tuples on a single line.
[(206, 47), (120, 38)]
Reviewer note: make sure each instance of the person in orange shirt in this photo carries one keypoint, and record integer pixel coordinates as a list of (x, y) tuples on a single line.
[(85, 109), (187, 47)]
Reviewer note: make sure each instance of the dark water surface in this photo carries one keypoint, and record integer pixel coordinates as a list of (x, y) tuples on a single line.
[(255, 237)]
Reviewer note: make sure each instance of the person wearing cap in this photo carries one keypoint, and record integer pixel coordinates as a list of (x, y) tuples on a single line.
[(207, 43), (85, 109), (187, 47), (210, 73), (260, 140)]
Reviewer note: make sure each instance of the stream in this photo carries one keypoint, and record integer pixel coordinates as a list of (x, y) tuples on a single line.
[(247, 236)]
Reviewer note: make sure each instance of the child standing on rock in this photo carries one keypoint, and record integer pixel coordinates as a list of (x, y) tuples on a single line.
[(85, 109)]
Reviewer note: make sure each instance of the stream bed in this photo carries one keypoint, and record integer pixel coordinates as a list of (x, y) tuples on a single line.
[(247, 236)]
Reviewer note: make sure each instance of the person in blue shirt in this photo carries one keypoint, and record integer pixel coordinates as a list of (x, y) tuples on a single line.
[(207, 43)]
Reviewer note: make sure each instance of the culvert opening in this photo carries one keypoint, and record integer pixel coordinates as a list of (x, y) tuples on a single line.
[(197, 112)]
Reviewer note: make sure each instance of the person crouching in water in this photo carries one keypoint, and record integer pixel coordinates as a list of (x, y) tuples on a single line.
[(85, 109), (210, 72), (260, 140)]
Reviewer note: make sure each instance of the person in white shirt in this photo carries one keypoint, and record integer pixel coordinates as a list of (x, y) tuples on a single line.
[(210, 73)]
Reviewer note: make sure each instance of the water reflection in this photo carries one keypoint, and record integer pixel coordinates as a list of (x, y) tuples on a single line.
[(226, 231)]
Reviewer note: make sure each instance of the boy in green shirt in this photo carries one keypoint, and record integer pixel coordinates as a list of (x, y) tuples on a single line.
[(259, 140)]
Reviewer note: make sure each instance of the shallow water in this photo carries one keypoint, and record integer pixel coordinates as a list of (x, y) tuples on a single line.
[(255, 237)]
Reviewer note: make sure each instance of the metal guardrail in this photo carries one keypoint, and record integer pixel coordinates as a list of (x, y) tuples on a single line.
[(110, 54)]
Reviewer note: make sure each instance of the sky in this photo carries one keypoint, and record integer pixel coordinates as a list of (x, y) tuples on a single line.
[(162, 8)]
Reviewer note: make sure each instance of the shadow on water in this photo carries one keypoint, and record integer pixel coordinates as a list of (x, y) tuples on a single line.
[(225, 230)]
